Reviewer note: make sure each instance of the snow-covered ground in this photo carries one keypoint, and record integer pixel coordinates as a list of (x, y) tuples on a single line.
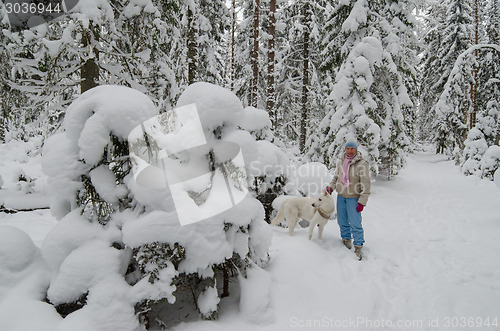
[(431, 262)]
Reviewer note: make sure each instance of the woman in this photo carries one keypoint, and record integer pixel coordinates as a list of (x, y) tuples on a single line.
[(352, 182)]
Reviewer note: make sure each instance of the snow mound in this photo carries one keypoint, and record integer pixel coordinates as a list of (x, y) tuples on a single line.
[(254, 305), (23, 280), (108, 308), (84, 268), (208, 301), (497, 177), (17, 250), (70, 233), (254, 119), (216, 105)]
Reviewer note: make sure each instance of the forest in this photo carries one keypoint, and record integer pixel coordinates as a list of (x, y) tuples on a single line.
[(391, 73), (415, 83)]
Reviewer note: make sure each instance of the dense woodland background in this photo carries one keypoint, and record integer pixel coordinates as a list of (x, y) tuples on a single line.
[(388, 73), (394, 75)]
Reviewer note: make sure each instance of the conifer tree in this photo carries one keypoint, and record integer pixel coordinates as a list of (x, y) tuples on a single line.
[(430, 68), (371, 100), (451, 121), (300, 92)]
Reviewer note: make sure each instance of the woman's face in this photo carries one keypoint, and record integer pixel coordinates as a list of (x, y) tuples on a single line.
[(350, 151)]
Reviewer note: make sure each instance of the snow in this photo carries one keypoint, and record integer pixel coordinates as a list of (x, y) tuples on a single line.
[(17, 250), (24, 277), (254, 119), (208, 301), (71, 232), (430, 254), (357, 16), (497, 177), (205, 242), (91, 263), (312, 178), (216, 105), (104, 181), (88, 123), (255, 306), (102, 110)]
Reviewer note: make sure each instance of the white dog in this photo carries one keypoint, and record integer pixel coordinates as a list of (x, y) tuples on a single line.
[(316, 211)]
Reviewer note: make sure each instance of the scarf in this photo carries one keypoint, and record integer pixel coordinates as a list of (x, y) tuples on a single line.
[(344, 176)]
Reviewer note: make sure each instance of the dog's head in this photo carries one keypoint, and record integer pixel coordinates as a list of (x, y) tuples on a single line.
[(325, 202)]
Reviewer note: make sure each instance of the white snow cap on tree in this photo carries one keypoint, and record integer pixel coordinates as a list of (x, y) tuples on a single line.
[(89, 122), (353, 99)]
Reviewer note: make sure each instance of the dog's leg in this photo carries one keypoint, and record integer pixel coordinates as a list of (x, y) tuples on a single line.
[(312, 224), (291, 225), (280, 216), (320, 230)]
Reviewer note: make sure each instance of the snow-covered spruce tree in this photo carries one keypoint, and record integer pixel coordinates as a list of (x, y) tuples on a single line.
[(270, 171), (430, 68), (486, 131), (11, 101), (354, 101), (373, 84), (455, 105), (198, 47), (490, 162), (213, 22), (53, 61), (221, 246), (43, 71), (475, 147), (300, 92), (88, 166), (489, 77), (144, 51), (450, 126), (244, 56), (119, 250), (395, 85), (132, 43), (450, 123)]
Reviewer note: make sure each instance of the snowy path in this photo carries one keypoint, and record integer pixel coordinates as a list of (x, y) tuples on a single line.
[(431, 261)]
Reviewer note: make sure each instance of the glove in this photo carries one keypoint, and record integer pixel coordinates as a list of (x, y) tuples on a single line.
[(359, 208), (329, 190)]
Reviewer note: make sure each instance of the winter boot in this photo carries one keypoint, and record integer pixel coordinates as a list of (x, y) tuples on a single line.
[(347, 243), (358, 250)]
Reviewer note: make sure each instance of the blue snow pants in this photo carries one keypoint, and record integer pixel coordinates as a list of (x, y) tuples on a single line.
[(349, 220)]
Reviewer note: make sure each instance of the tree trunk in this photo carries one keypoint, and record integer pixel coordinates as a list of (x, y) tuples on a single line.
[(225, 286), (191, 45), (474, 88), (255, 54), (270, 64), (90, 70), (305, 77), (233, 28)]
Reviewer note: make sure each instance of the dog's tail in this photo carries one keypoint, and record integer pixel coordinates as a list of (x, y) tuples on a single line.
[(280, 216)]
